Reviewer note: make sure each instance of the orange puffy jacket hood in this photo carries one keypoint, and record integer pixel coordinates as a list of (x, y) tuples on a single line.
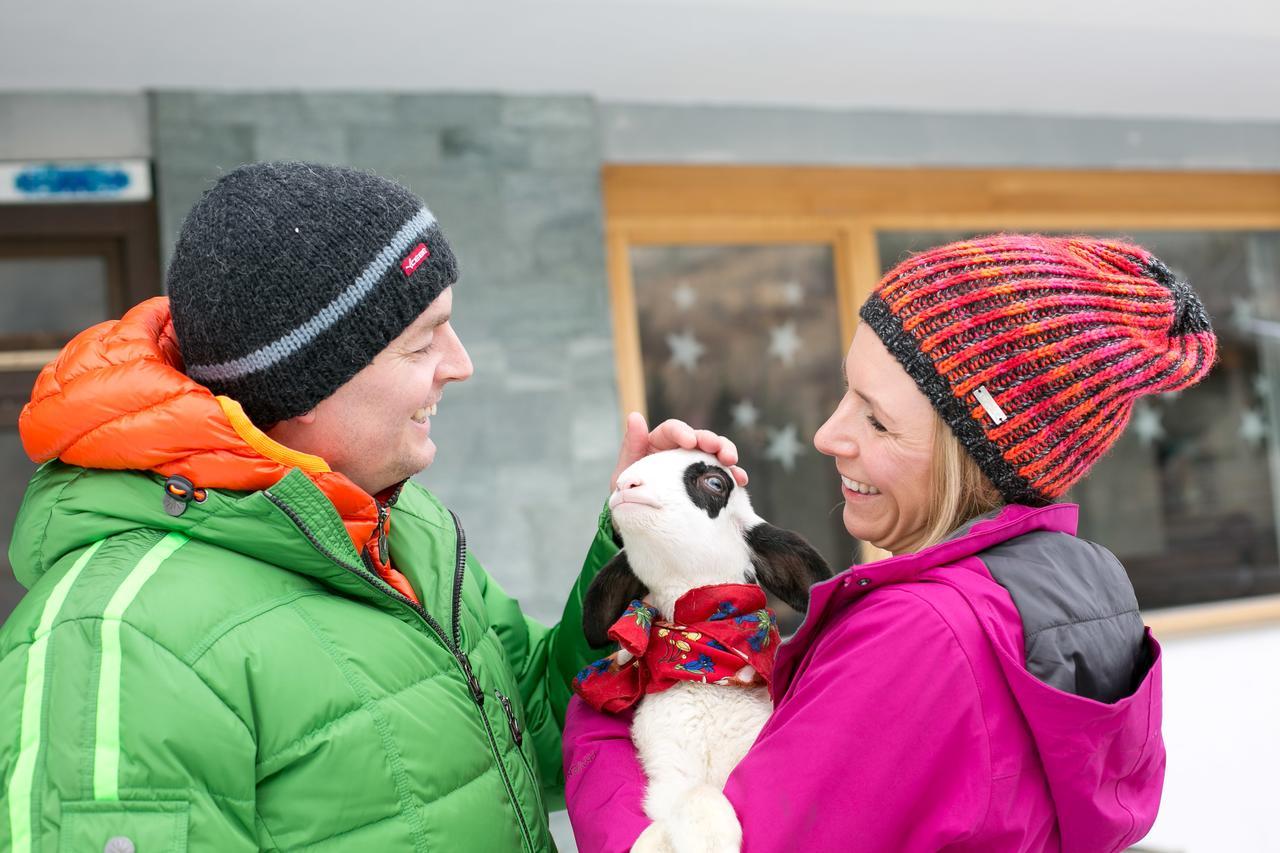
[(116, 397)]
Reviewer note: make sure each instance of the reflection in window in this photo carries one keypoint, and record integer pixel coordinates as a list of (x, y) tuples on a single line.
[(1186, 497), (49, 299), (745, 340)]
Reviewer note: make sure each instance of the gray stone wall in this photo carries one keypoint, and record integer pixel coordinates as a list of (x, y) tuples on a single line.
[(526, 445)]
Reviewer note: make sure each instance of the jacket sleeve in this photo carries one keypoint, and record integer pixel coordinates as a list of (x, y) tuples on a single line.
[(545, 659), (878, 745)]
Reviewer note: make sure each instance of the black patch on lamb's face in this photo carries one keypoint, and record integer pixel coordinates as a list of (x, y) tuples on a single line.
[(708, 486)]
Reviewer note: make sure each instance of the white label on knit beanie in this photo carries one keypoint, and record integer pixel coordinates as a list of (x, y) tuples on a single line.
[(419, 254), (990, 405)]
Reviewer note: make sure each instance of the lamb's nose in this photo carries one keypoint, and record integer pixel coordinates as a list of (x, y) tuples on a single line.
[(625, 483)]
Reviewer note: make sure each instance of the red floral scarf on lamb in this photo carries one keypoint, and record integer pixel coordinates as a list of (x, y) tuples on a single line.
[(714, 633)]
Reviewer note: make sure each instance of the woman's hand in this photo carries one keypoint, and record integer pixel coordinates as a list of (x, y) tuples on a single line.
[(638, 442)]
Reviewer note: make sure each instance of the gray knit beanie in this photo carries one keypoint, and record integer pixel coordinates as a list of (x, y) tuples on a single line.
[(288, 278)]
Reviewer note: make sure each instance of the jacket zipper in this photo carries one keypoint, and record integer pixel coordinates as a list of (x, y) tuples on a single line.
[(459, 569), (459, 656), (517, 735), (383, 511)]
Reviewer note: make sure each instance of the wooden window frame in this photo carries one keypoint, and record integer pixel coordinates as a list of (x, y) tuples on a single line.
[(844, 208)]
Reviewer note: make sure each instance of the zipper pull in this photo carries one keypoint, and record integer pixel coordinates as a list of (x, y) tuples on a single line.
[(477, 692), (516, 734), (383, 556), (178, 492)]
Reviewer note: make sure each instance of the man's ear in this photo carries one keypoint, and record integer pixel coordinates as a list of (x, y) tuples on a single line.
[(785, 564), (613, 589)]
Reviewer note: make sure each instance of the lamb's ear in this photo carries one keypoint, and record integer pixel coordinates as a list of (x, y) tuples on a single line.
[(785, 564), (613, 589)]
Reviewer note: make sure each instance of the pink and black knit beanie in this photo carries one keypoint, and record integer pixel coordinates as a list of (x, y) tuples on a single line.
[(1033, 349)]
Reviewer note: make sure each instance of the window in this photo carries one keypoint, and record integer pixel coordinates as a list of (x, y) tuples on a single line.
[(743, 337), (705, 263), (1185, 497)]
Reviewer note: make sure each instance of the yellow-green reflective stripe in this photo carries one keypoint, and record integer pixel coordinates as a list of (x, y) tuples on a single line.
[(106, 745), (24, 768)]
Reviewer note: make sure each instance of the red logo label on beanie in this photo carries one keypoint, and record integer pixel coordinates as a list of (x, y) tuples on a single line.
[(415, 258)]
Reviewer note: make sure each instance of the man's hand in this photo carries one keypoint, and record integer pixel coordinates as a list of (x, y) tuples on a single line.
[(638, 442)]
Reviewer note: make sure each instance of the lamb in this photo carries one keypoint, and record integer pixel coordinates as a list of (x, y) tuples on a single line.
[(694, 552)]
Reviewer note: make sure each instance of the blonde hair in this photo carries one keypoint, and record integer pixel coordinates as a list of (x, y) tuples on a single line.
[(960, 489)]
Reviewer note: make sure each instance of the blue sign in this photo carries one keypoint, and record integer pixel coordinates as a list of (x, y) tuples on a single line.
[(58, 180), (124, 180)]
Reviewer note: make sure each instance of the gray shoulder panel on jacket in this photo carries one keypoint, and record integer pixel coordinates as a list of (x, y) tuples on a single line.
[(1080, 619)]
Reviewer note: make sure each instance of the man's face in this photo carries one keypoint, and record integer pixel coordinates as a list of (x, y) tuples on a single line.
[(376, 429)]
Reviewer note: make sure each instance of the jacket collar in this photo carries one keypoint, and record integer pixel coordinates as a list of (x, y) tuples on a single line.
[(974, 537), (117, 398)]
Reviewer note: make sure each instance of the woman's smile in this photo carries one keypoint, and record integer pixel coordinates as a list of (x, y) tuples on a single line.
[(851, 488)]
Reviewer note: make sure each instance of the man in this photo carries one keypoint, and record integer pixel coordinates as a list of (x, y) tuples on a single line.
[(246, 627)]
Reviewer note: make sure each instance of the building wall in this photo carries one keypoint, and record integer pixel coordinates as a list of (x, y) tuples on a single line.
[(527, 445)]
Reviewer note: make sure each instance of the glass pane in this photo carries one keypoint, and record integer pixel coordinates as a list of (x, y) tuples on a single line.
[(15, 469), (61, 295), (745, 340), (1186, 497)]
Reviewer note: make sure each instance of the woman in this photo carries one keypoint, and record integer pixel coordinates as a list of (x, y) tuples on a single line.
[(991, 686)]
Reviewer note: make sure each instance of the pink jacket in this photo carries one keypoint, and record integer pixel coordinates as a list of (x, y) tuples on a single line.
[(906, 718)]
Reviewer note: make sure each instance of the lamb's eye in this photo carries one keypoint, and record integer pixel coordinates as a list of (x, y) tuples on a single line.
[(713, 483)]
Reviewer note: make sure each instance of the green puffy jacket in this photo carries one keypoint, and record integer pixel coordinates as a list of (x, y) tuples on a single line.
[(235, 679)]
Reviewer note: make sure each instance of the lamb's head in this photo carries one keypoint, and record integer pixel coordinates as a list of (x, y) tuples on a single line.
[(681, 517), (685, 523)]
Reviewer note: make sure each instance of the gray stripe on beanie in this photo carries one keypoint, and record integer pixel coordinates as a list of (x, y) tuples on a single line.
[(295, 339)]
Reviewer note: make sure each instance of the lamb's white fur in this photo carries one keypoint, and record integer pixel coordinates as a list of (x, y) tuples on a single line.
[(691, 736)]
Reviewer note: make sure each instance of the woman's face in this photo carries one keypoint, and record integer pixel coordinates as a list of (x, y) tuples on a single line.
[(881, 437)]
